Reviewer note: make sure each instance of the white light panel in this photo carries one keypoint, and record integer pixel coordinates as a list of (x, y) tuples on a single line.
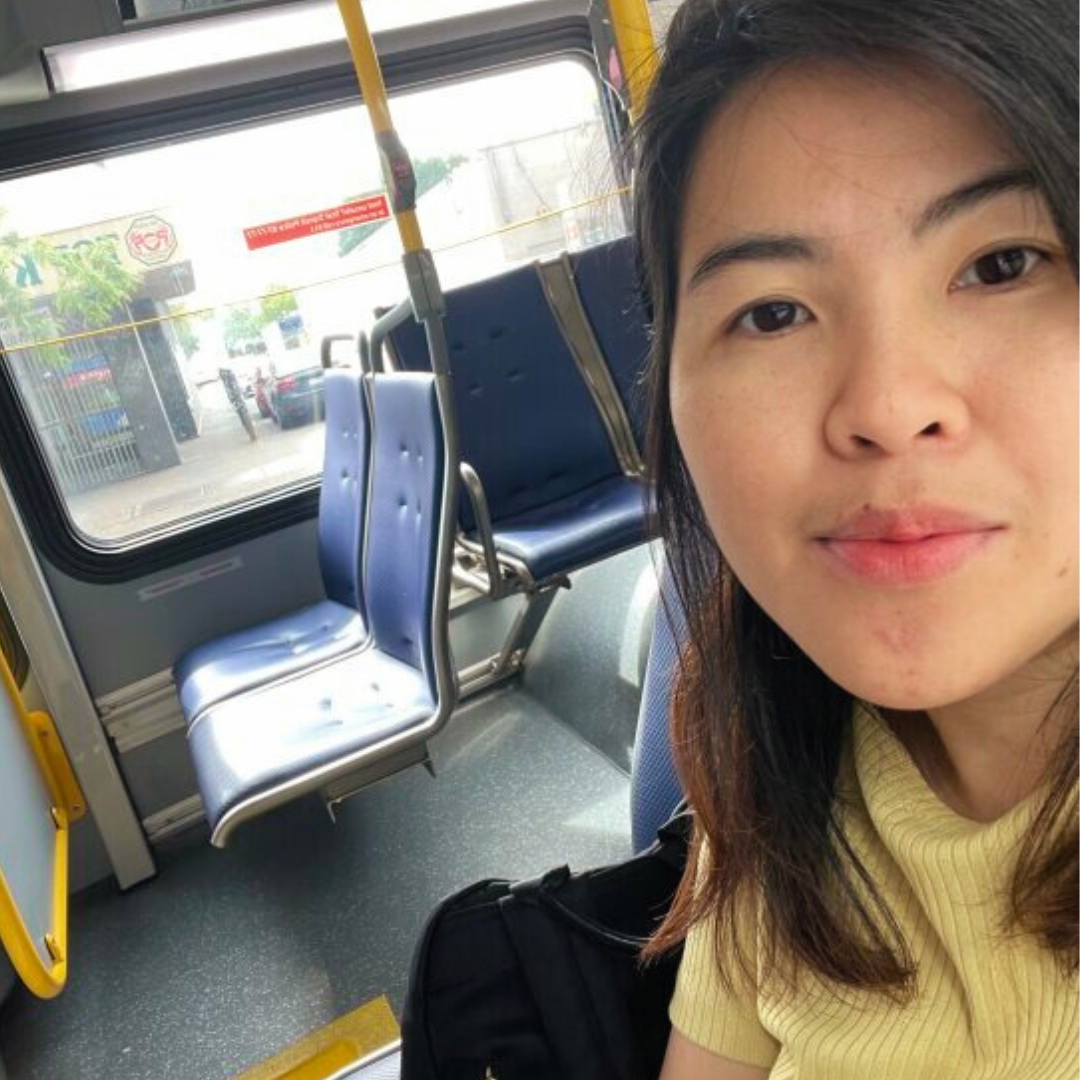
[(143, 54)]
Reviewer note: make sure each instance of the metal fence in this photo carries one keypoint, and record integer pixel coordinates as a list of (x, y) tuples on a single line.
[(77, 412)]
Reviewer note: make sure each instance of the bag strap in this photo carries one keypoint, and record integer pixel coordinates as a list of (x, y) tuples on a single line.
[(673, 837), (670, 847), (627, 942), (543, 892)]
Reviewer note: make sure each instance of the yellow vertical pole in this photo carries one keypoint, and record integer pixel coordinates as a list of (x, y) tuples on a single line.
[(397, 169), (637, 48)]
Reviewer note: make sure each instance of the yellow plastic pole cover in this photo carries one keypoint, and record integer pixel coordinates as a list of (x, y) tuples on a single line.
[(637, 48), (396, 167)]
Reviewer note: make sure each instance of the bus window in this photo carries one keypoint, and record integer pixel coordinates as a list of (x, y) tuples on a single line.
[(163, 308)]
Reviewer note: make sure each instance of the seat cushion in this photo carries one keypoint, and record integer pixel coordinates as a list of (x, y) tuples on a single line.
[(290, 730), (578, 529), (249, 658)]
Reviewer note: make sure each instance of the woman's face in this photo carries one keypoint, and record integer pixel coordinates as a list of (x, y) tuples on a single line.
[(874, 381)]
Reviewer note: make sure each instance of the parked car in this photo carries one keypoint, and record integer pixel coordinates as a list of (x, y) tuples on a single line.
[(293, 387), (246, 368)]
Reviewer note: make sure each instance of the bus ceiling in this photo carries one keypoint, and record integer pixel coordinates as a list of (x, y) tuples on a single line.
[(22, 71), (52, 57)]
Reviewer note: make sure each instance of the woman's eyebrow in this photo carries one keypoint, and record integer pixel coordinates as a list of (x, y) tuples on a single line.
[(972, 194), (754, 248), (790, 246)]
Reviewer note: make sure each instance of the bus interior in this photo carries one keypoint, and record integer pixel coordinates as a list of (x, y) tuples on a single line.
[(334, 610)]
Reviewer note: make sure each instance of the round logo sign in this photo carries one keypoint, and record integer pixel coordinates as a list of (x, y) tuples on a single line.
[(150, 240)]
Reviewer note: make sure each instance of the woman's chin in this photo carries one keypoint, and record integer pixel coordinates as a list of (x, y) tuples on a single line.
[(906, 688)]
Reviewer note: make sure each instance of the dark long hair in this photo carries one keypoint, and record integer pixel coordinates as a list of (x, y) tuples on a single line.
[(763, 786)]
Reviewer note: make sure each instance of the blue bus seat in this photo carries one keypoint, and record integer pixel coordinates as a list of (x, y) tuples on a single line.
[(363, 716), (575, 530), (237, 662), (527, 424), (655, 790), (607, 283)]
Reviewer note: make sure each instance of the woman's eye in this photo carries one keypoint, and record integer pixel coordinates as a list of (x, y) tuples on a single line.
[(771, 317), (1000, 267)]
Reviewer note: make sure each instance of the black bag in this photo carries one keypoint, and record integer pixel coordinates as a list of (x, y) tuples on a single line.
[(541, 980)]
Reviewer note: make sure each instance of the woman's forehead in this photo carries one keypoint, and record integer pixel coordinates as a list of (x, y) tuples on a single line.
[(817, 147)]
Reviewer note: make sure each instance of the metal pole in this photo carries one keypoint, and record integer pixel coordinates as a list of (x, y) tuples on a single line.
[(421, 278), (634, 37), (397, 169)]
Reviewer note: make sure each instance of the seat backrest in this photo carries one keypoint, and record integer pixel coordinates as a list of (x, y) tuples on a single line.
[(525, 418), (654, 787), (344, 487), (406, 586), (607, 282)]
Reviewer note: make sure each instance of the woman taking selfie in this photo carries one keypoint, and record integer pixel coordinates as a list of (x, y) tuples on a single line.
[(857, 223)]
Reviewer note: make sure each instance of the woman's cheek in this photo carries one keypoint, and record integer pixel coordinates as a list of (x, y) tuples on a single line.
[(719, 449)]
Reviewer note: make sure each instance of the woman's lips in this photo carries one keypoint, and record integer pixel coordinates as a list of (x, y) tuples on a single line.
[(906, 561)]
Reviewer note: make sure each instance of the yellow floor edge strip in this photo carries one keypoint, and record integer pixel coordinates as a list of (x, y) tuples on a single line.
[(324, 1052)]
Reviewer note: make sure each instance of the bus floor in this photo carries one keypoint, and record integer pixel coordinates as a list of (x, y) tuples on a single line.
[(228, 956)]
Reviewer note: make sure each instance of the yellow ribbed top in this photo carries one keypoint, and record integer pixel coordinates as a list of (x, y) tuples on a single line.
[(988, 1007)]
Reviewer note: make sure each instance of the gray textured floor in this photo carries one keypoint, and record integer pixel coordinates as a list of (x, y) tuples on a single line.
[(229, 956), (589, 659)]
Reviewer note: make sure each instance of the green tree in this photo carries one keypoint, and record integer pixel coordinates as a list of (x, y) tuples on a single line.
[(93, 288), (429, 172), (187, 336), (241, 325), (279, 303), (20, 265)]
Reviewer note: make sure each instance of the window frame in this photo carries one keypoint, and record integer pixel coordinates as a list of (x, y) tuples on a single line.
[(416, 58)]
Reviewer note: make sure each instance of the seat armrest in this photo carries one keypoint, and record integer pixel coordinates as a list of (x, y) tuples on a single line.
[(384, 324), (475, 488), (326, 347)]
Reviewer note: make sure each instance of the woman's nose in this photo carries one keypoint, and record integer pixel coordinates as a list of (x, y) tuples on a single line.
[(896, 393)]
